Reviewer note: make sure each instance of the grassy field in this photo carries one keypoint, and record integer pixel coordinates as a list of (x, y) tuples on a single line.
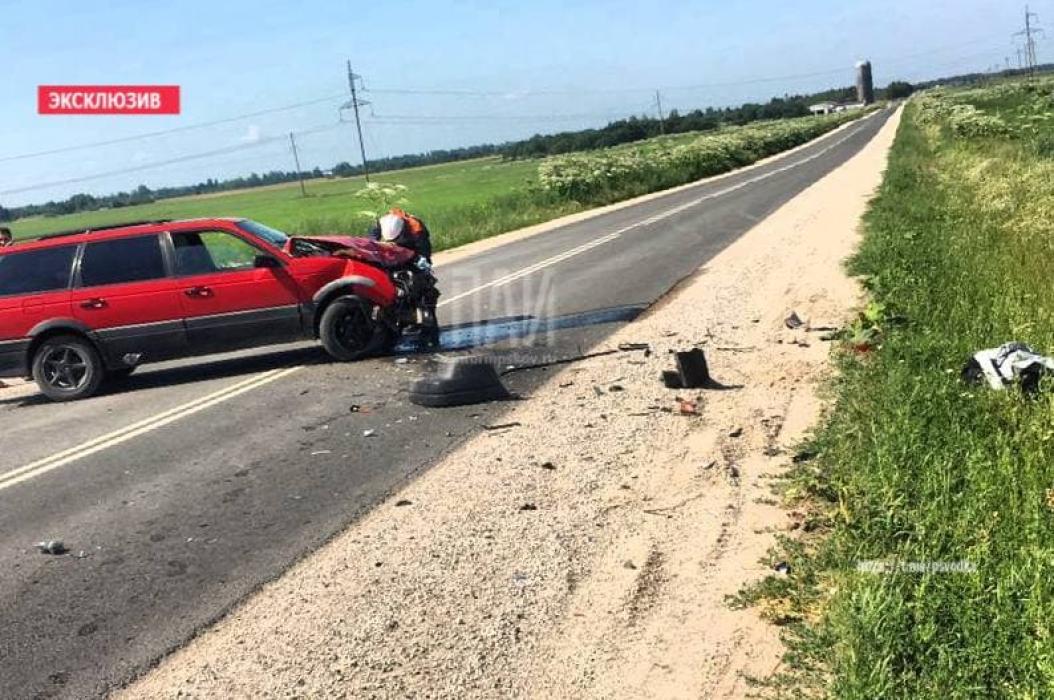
[(436, 192), (914, 467), (461, 202)]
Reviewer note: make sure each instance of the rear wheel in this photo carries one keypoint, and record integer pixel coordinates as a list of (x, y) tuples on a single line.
[(348, 330), (67, 368)]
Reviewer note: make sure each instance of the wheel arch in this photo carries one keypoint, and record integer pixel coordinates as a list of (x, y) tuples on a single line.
[(56, 327), (358, 285)]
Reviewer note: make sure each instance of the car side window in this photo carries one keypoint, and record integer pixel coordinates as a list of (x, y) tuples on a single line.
[(201, 252), (120, 260), (36, 271)]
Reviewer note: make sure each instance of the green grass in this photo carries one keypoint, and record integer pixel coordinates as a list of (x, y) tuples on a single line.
[(461, 202), (439, 193), (914, 466)]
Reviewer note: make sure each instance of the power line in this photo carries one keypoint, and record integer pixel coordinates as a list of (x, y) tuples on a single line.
[(430, 118), (514, 92), (173, 130), (463, 92), (161, 163)]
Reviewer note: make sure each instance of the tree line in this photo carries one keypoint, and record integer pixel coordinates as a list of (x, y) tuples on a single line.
[(621, 131)]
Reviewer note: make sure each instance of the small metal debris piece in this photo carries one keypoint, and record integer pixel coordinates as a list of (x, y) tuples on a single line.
[(52, 547), (528, 506), (403, 502), (735, 432), (793, 321), (615, 387), (355, 408), (502, 426), (782, 568), (564, 385), (631, 347), (402, 360), (321, 452), (548, 465), (369, 433)]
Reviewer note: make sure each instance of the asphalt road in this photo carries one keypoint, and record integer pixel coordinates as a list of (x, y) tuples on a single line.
[(183, 489)]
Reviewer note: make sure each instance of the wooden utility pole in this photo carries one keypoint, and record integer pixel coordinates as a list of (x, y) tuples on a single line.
[(662, 119), (296, 159)]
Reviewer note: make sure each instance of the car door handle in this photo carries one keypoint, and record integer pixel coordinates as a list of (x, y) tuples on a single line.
[(95, 303), (199, 292)]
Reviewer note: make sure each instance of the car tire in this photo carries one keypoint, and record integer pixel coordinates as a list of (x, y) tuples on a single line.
[(67, 368), (348, 330)]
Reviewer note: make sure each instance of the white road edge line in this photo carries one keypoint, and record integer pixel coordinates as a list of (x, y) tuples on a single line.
[(549, 262), (42, 466), (60, 459)]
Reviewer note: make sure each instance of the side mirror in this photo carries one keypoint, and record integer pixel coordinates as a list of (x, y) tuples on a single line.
[(266, 261)]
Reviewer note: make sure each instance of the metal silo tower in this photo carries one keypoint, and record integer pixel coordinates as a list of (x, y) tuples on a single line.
[(865, 89)]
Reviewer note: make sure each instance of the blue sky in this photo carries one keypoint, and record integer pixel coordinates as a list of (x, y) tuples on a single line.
[(545, 66)]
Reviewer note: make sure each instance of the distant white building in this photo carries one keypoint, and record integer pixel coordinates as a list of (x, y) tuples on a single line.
[(831, 107)]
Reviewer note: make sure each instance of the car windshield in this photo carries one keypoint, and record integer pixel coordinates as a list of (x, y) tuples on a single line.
[(271, 235)]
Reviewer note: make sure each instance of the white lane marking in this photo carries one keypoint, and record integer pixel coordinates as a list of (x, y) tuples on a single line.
[(549, 262), (59, 459)]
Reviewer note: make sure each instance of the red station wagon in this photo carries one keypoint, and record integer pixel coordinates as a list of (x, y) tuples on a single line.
[(78, 307)]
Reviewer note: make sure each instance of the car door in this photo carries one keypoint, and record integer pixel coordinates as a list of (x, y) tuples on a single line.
[(124, 293), (34, 288), (229, 301)]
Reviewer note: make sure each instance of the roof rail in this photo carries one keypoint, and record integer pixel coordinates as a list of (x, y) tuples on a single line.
[(108, 227)]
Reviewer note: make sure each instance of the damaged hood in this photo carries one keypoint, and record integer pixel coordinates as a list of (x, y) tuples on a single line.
[(332, 242), (365, 249)]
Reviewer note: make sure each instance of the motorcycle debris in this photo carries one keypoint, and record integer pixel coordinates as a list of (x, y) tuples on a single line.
[(671, 380), (691, 372), (369, 433), (52, 547)]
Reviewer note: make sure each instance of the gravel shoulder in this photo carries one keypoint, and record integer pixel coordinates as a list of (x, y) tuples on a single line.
[(587, 551)]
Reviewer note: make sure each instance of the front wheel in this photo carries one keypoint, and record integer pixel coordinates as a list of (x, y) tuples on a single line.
[(348, 330), (67, 368)]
